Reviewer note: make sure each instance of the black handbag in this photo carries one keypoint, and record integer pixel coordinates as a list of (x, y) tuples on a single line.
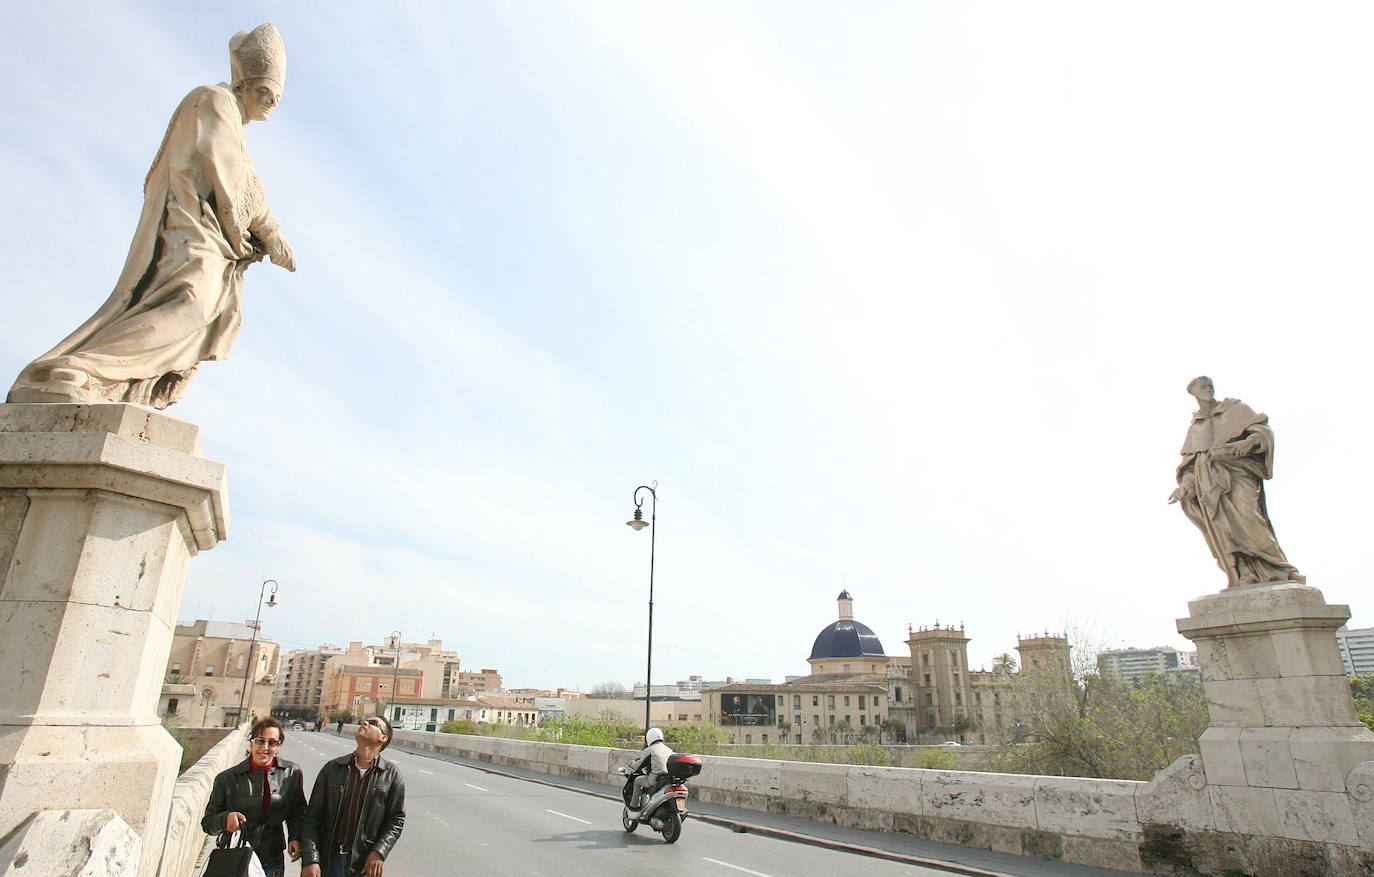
[(233, 857)]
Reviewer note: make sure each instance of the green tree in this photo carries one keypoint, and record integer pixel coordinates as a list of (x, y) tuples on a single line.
[(893, 730), (1362, 689), (603, 730), (935, 758), (1004, 664), (1102, 727), (863, 753), (458, 726), (699, 738)]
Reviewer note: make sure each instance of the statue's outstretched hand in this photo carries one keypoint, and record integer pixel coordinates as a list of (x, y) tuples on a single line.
[(280, 252)]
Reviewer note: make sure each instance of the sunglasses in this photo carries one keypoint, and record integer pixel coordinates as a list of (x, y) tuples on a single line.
[(266, 741), (376, 723)]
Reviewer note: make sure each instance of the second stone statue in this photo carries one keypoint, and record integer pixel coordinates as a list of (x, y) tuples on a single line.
[(205, 220), (1227, 456)]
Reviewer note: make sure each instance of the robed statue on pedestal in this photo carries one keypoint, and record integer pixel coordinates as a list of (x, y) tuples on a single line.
[(205, 220), (1227, 456)]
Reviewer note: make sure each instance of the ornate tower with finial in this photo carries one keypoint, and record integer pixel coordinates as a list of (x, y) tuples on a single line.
[(939, 677)]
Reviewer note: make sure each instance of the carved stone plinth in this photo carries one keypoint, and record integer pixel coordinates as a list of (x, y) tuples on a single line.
[(1284, 738), (101, 508), (80, 843)]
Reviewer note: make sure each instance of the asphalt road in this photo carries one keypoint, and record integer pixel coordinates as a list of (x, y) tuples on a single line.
[(460, 820)]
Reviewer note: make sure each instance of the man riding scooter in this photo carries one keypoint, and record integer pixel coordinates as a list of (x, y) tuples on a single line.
[(657, 752)]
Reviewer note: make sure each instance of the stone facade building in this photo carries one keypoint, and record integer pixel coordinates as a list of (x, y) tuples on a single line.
[(360, 689), (206, 672), (856, 691)]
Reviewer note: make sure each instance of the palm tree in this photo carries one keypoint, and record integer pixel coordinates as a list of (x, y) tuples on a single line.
[(1004, 664)]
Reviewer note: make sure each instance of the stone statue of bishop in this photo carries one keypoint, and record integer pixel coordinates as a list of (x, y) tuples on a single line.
[(205, 220)]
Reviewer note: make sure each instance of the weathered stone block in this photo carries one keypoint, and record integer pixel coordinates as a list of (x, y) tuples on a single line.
[(73, 843), (1089, 807), (1220, 748), (1324, 757), (820, 783), (1242, 656), (746, 775), (1120, 855), (1307, 700), (886, 788), (1307, 652), (1177, 795), (1288, 857), (1245, 810), (1267, 758), (1324, 817), (993, 798), (1234, 702)]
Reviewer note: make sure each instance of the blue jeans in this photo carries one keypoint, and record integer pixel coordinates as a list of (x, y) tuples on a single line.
[(271, 863)]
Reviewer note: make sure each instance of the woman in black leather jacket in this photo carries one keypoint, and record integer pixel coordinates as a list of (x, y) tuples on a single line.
[(257, 795)]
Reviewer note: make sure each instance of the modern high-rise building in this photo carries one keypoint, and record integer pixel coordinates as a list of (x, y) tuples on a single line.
[(300, 685), (1133, 665), (1357, 649)]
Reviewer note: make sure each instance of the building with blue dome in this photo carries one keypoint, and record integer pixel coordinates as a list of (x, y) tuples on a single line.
[(847, 647), (856, 691)]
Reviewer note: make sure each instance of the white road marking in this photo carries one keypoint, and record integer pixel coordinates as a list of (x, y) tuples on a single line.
[(438, 820), (736, 867), (471, 786), (422, 770), (566, 816)]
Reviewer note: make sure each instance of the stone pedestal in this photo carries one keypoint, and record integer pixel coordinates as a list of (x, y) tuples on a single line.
[(101, 508), (79, 843), (1284, 736)]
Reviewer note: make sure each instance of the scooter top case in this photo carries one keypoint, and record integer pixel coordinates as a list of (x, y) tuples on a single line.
[(681, 767)]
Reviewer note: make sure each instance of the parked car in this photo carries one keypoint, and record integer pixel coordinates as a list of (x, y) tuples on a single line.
[(951, 743)]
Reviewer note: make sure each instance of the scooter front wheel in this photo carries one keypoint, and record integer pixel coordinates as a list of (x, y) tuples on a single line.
[(625, 820), (672, 827)]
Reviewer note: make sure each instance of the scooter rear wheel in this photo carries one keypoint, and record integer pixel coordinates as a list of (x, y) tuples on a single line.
[(625, 820), (672, 827)]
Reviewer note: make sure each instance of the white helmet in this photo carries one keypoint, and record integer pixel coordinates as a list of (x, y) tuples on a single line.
[(652, 736)]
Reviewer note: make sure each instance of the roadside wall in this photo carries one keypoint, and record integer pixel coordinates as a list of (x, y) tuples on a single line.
[(1083, 821), (185, 840), (1177, 823)]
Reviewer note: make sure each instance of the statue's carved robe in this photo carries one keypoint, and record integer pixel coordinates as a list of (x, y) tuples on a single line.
[(177, 301), (1226, 495)]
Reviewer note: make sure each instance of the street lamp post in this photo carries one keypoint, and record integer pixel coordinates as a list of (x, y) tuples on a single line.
[(395, 670), (257, 622), (637, 523)]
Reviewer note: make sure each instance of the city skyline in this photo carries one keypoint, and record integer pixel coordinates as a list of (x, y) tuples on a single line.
[(901, 300)]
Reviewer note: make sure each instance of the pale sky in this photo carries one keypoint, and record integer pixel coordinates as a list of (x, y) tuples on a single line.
[(898, 297)]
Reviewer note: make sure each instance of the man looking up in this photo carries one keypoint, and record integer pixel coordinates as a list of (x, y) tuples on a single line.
[(347, 828)]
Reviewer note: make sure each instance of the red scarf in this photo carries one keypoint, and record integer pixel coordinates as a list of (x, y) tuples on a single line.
[(266, 786)]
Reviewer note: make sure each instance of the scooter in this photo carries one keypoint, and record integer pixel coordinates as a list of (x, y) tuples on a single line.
[(665, 805)]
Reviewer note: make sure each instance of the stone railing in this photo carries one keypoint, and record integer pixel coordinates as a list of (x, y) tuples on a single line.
[(1082, 821), (185, 840)]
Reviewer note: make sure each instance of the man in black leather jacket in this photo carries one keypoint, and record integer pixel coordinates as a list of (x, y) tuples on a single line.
[(356, 811)]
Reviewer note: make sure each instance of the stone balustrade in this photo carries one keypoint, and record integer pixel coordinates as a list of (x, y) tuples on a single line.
[(185, 840)]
